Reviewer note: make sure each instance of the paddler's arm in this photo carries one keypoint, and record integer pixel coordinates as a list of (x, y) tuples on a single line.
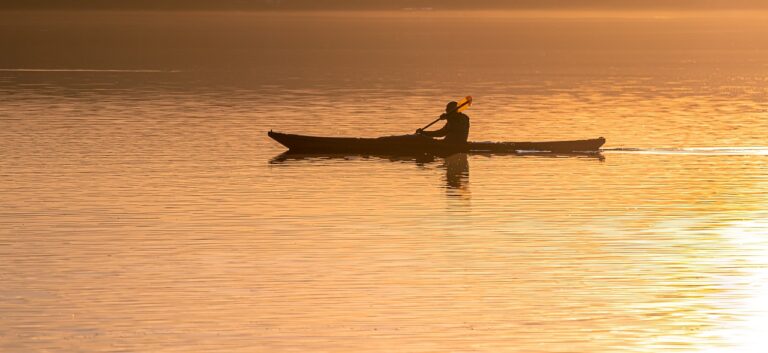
[(437, 133)]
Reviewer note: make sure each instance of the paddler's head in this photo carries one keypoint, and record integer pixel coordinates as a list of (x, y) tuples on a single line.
[(451, 106)]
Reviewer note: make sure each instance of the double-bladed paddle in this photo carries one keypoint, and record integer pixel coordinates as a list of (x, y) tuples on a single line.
[(463, 105)]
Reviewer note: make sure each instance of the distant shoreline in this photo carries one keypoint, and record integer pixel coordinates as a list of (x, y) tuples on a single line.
[(500, 13)]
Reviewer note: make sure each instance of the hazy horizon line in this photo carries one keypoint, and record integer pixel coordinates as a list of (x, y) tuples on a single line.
[(382, 5), (403, 10)]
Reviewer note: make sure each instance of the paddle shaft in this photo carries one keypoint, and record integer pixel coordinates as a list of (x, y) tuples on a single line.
[(451, 112)]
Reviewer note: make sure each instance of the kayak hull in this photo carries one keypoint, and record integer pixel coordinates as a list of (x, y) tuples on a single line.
[(416, 144)]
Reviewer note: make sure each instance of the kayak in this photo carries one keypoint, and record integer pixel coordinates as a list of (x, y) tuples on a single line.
[(416, 144)]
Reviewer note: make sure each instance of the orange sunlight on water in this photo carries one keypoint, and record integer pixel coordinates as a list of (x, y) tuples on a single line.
[(143, 207)]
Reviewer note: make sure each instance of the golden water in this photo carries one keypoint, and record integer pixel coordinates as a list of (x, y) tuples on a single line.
[(145, 209)]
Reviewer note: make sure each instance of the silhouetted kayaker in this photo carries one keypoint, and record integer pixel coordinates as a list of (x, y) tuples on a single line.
[(456, 129)]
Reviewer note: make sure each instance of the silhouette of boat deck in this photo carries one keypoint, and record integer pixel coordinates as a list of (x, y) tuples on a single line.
[(417, 144)]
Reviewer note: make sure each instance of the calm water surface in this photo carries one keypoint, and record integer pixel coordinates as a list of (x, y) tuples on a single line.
[(145, 209)]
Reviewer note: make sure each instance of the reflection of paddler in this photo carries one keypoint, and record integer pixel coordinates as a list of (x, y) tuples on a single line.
[(456, 171)]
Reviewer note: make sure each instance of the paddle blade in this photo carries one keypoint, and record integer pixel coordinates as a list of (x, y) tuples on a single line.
[(464, 104)]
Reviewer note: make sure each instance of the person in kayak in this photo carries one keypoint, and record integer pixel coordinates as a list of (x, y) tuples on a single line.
[(456, 128)]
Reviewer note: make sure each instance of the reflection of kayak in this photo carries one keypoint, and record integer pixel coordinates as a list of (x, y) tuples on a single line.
[(421, 158), (410, 144)]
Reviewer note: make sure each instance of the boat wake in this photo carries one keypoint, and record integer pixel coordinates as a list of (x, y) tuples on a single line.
[(700, 151)]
